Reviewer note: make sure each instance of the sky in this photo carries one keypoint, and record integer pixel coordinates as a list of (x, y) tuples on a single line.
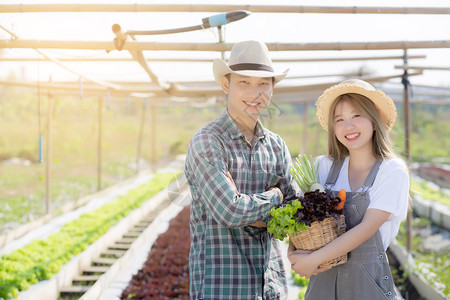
[(269, 27)]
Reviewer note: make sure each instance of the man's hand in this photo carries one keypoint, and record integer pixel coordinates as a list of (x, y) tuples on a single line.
[(278, 190)]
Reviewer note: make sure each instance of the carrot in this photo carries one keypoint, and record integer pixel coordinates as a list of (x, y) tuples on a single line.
[(341, 196)]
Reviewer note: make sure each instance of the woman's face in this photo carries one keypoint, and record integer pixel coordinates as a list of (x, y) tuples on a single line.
[(353, 127)]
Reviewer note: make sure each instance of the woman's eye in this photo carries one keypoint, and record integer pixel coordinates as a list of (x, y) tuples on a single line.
[(338, 120), (356, 116)]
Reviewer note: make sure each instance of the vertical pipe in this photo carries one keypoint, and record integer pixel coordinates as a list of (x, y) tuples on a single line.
[(303, 148), (153, 134), (99, 146), (407, 138), (48, 154), (317, 139), (41, 159), (219, 29), (141, 134)]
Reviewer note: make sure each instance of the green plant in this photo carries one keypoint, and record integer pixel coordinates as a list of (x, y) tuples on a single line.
[(284, 220), (433, 266), (424, 189), (41, 259), (300, 281), (304, 173)]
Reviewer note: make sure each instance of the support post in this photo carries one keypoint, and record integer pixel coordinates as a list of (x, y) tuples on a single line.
[(48, 152), (303, 147), (219, 30), (141, 134), (99, 145), (407, 154), (153, 134)]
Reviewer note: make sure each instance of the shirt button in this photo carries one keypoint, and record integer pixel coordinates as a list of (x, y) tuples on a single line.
[(386, 277), (380, 257), (389, 293)]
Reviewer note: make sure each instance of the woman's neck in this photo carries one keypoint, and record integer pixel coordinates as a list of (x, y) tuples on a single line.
[(359, 166), (361, 160)]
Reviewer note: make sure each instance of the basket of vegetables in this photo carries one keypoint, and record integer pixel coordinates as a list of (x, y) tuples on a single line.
[(313, 220)]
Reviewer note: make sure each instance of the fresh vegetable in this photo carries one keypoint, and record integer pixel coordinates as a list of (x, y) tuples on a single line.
[(305, 174), (41, 259), (297, 215), (342, 194), (317, 186), (165, 273), (315, 205), (284, 220)]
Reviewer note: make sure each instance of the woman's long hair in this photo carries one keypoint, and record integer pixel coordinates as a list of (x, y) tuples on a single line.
[(381, 143)]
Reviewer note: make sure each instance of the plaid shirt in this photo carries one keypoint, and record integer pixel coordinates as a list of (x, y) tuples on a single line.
[(228, 258)]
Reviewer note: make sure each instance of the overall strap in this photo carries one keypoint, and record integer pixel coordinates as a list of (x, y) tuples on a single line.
[(370, 179), (334, 172)]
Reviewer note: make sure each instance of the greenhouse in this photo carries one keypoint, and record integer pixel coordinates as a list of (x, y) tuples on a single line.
[(101, 104)]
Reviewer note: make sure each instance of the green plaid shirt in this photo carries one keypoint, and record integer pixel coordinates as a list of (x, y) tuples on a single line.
[(228, 258)]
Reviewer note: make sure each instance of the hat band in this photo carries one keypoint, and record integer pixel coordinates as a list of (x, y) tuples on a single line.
[(253, 67)]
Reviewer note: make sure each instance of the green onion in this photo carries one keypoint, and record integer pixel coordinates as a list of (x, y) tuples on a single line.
[(304, 172)]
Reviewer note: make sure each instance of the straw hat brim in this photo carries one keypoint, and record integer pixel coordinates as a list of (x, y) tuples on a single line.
[(220, 69), (383, 103)]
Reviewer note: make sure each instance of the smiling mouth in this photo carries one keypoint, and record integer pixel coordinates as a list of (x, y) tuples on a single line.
[(252, 104), (352, 136)]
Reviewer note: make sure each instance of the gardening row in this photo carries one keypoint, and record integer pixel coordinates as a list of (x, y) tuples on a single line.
[(42, 258)]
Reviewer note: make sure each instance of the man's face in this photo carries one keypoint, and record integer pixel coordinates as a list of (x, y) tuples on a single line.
[(247, 96)]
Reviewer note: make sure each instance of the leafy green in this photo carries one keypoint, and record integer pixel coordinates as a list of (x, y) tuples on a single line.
[(284, 220), (41, 259)]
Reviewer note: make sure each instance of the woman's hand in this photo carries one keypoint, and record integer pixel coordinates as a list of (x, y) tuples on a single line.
[(303, 263)]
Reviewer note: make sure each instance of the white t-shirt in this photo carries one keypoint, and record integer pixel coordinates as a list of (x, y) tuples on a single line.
[(389, 192)]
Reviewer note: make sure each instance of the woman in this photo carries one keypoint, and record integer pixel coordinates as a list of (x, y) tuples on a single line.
[(360, 160)]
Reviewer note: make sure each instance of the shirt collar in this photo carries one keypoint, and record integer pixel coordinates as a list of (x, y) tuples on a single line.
[(234, 130)]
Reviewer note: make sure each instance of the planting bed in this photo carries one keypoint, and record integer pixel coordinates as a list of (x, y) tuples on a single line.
[(165, 274), (41, 259)]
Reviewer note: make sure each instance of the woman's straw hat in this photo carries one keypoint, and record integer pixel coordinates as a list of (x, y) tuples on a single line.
[(248, 58), (383, 103)]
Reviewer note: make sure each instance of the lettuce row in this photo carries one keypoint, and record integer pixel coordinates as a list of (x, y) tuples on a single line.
[(41, 259)]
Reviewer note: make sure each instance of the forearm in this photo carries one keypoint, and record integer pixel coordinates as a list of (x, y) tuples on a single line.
[(352, 238)]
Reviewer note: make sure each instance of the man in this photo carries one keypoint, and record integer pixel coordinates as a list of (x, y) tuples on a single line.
[(237, 171)]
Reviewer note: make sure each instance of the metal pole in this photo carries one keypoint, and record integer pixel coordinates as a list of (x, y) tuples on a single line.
[(407, 110), (305, 129), (208, 60), (99, 146), (153, 135), (141, 134), (135, 7), (195, 46), (219, 30), (48, 154)]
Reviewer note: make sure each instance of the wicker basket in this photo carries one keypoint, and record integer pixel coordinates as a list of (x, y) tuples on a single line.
[(320, 234)]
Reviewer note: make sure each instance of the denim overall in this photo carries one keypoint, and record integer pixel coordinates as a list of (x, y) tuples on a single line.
[(366, 274)]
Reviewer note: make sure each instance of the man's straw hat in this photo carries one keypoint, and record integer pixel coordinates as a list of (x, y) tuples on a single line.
[(248, 58), (383, 103)]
